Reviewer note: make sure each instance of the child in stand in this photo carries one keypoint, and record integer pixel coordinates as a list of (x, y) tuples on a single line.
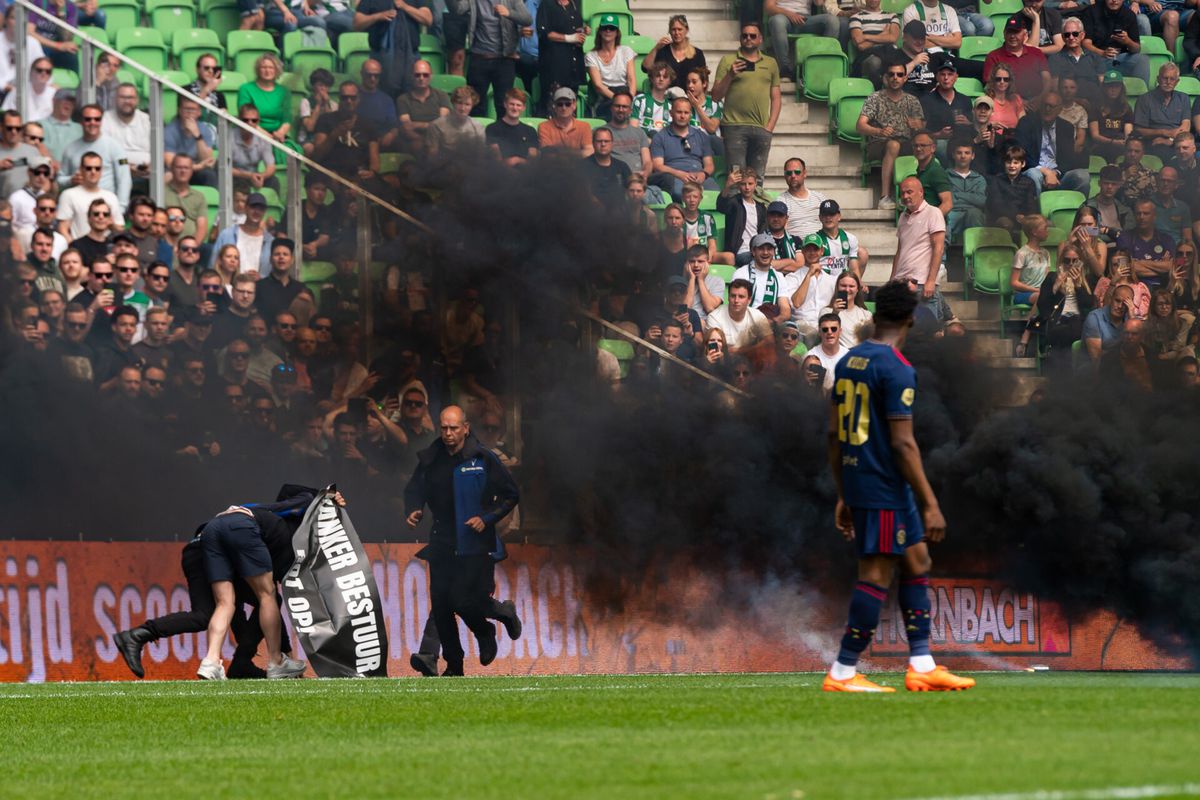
[(699, 227), (1031, 264), (1012, 195), (968, 188)]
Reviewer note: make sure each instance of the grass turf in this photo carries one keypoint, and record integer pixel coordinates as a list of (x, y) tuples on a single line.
[(694, 736)]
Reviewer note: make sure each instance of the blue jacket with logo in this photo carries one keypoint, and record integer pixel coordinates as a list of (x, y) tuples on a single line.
[(483, 487)]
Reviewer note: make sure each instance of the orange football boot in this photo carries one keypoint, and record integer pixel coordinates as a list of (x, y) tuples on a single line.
[(939, 679), (858, 683)]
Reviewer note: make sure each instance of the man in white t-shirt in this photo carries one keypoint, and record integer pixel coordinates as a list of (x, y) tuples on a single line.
[(842, 252), (815, 290), (831, 349), (942, 29), (802, 204), (129, 126), (744, 327), (73, 204), (768, 286), (705, 291)]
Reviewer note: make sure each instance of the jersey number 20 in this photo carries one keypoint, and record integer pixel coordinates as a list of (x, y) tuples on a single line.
[(854, 411)]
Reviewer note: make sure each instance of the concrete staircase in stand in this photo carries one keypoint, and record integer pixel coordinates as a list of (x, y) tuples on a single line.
[(834, 171)]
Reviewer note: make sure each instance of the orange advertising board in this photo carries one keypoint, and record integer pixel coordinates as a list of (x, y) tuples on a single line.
[(61, 603)]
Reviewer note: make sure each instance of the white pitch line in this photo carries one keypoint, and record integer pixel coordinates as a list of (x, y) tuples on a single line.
[(186, 690), (1109, 793)]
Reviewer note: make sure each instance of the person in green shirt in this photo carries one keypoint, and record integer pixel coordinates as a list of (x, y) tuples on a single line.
[(274, 102), (748, 85), (932, 174)]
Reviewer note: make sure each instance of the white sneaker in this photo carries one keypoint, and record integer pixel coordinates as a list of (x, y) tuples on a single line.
[(886, 203), (288, 668), (211, 672)]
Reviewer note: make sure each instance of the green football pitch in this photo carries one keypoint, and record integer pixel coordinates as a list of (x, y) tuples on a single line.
[(1017, 736)]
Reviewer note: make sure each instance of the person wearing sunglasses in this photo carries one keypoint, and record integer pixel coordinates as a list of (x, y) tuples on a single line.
[(563, 130), (13, 150), (27, 201), (394, 32), (39, 91), (113, 176), (76, 214), (747, 82), (8, 45), (419, 106), (888, 120)]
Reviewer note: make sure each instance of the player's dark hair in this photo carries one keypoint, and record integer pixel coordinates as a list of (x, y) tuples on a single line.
[(894, 304)]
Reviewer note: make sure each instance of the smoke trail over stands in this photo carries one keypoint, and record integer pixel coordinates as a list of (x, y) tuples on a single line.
[(1089, 497)]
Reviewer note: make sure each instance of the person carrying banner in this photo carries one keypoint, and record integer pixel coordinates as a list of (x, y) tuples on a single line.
[(468, 491), (288, 509)]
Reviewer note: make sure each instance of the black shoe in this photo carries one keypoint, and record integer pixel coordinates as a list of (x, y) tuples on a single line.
[(453, 672), (509, 619), (130, 644), (424, 664), (487, 650), (244, 668)]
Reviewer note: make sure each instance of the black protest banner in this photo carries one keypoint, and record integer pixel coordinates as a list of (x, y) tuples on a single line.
[(332, 598)]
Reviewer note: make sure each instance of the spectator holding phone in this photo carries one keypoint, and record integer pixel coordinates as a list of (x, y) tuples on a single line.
[(747, 82)]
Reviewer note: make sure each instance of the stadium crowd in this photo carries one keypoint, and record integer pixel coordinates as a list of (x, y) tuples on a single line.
[(210, 338)]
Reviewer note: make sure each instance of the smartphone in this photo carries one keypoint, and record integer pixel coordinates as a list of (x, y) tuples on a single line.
[(843, 295), (714, 346), (356, 407), (1092, 230), (749, 65), (681, 309)]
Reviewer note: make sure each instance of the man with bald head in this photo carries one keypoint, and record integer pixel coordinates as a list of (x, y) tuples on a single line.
[(921, 248), (467, 491)]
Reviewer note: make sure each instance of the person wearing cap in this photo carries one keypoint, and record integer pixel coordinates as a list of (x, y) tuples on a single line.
[(814, 288), (609, 64), (874, 33), (840, 250), (1030, 69), (493, 32), (946, 111), (1112, 119), (916, 58), (747, 82), (1054, 163), (1073, 60), (563, 130), (60, 127), (681, 153), (790, 17), (968, 191), (252, 238), (651, 110), (276, 291), (787, 247), (942, 28), (888, 120), (1162, 113), (24, 200), (745, 216), (768, 286), (1112, 33)]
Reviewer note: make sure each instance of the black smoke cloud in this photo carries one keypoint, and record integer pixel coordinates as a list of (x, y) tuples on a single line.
[(1089, 498)]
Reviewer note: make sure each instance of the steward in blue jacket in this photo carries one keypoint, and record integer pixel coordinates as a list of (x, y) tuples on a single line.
[(468, 491)]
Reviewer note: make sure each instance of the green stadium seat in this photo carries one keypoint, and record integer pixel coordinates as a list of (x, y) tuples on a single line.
[(188, 46), (1134, 88), (1188, 85), (353, 50), (1155, 48), (1008, 308), (1152, 163), (143, 45), (708, 202), (210, 195), (244, 48), (590, 8), (170, 99), (849, 109), (998, 11), (168, 17), (905, 166), (722, 271), (447, 83), (317, 271), (820, 68), (969, 87), (846, 89), (99, 34), (804, 46), (65, 78), (391, 162), (228, 87), (894, 6), (976, 48), (991, 265), (640, 44), (974, 238), (221, 17), (121, 14), (620, 348), (1096, 163), (1060, 206), (303, 59), (593, 122)]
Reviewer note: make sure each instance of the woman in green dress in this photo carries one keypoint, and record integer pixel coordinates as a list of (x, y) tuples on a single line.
[(274, 102)]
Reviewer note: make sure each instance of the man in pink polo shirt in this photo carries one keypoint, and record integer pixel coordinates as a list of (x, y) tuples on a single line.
[(920, 251)]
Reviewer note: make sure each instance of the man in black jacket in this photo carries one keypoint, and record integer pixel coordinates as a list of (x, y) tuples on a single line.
[(739, 227), (469, 491), (1049, 143)]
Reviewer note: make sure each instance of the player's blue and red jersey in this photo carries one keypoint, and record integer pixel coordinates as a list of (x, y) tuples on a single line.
[(872, 384)]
